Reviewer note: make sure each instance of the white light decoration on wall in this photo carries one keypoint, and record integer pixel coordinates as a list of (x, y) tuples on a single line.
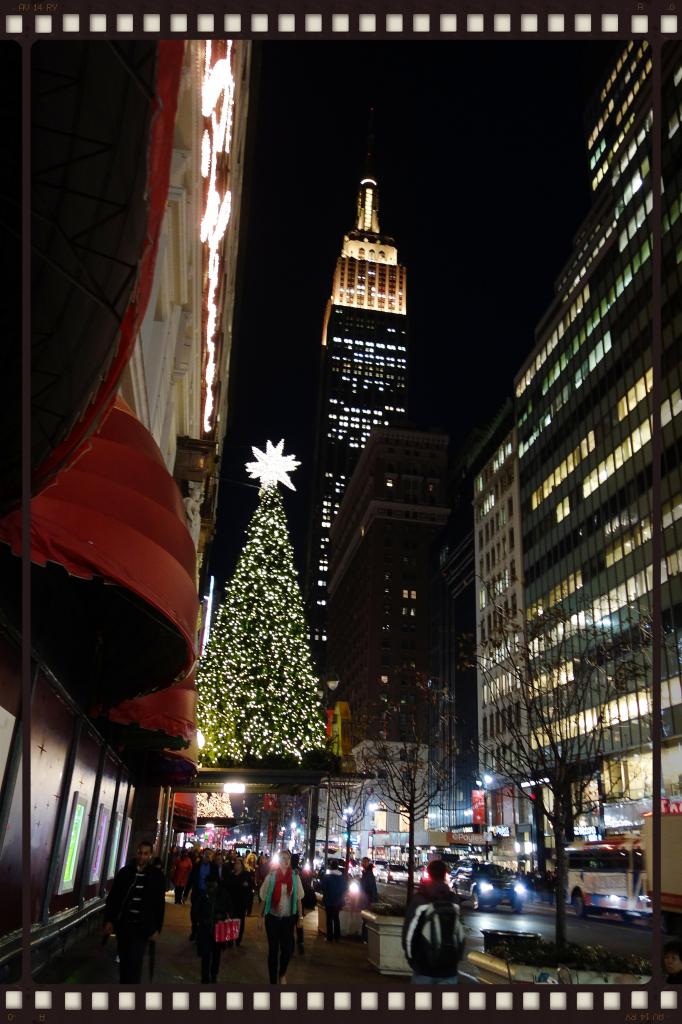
[(217, 103)]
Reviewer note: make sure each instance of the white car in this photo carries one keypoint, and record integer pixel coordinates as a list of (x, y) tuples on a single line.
[(381, 870), (397, 873)]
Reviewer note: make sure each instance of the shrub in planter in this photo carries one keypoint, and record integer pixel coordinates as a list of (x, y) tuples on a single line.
[(579, 958), (387, 910)]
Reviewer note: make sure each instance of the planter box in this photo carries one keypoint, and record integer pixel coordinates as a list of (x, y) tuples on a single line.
[(384, 942), (349, 919), (493, 971)]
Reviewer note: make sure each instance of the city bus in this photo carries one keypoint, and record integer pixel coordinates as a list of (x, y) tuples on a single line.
[(608, 875)]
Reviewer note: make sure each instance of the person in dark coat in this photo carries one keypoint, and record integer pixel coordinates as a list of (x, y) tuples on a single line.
[(212, 904), (240, 890), (198, 880), (334, 887), (433, 966), (134, 911), (368, 890)]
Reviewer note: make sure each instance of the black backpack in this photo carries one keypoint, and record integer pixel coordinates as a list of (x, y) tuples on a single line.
[(435, 938)]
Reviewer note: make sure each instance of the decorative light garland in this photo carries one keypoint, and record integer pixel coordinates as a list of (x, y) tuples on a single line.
[(218, 81)]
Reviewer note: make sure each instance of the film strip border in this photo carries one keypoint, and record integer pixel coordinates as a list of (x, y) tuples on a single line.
[(638, 1004), (255, 25)]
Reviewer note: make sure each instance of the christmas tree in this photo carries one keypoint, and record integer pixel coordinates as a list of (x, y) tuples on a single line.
[(257, 693)]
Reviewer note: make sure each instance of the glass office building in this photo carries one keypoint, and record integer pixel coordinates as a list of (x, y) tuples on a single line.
[(585, 422)]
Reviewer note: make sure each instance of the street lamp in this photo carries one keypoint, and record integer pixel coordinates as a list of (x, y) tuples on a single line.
[(348, 815), (372, 808)]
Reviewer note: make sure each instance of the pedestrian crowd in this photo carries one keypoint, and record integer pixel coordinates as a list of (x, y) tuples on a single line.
[(221, 888)]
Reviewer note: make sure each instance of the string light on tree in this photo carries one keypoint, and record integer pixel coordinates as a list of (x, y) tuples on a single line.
[(257, 693)]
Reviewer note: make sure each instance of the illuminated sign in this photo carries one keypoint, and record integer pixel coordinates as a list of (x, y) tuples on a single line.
[(217, 103), (72, 848), (100, 840), (111, 869), (478, 806), (126, 840)]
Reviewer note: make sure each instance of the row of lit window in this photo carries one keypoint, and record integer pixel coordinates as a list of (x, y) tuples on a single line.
[(560, 674), (616, 71), (349, 342), (596, 131), (636, 394), (614, 712), (603, 238), (604, 167), (500, 457), (628, 542), (488, 504), (567, 466), (635, 222), (627, 157), (563, 509), (633, 186), (562, 590), (554, 339), (599, 313), (623, 452)]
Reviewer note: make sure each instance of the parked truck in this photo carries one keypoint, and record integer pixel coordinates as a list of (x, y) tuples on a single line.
[(671, 868)]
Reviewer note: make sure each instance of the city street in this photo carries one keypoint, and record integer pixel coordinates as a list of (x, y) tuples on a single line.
[(610, 932)]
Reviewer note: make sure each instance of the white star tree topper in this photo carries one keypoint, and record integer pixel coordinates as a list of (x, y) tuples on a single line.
[(272, 467)]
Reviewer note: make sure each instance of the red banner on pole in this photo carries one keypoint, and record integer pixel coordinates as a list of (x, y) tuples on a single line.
[(478, 806)]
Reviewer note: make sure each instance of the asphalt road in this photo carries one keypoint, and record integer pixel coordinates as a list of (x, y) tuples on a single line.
[(608, 931)]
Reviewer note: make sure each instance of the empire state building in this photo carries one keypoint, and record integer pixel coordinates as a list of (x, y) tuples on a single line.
[(363, 380)]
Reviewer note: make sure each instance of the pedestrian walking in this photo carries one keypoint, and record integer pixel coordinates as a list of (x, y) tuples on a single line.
[(334, 888), (134, 911), (198, 880), (433, 936), (212, 905), (282, 896), (180, 876), (368, 890), (262, 871), (308, 901), (240, 891)]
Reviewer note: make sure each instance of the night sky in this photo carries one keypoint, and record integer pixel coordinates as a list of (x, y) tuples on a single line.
[(483, 182)]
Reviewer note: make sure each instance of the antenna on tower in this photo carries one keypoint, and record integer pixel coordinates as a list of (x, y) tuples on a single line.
[(369, 159)]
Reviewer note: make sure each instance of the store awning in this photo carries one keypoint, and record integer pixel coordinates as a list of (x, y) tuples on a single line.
[(102, 130), (165, 719), (185, 812), (114, 596)]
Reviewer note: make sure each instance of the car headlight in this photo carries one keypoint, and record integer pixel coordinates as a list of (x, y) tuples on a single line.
[(520, 889), (486, 887)]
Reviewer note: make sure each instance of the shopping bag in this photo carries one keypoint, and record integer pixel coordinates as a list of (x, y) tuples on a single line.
[(226, 931)]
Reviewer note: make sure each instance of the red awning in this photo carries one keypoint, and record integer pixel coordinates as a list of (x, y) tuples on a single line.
[(89, 414), (117, 515), (185, 812), (162, 719)]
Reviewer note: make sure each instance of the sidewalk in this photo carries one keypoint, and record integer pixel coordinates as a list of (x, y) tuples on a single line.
[(90, 963)]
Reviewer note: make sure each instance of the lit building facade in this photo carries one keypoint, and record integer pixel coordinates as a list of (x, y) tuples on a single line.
[(585, 423), (499, 605), (378, 586), (363, 381), (178, 377)]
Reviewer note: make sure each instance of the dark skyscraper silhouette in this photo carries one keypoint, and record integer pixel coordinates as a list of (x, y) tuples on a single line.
[(363, 379)]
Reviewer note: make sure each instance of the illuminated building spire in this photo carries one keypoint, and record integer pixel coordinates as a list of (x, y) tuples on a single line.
[(367, 219)]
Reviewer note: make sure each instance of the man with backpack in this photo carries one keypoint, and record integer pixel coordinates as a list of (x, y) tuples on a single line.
[(433, 936)]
